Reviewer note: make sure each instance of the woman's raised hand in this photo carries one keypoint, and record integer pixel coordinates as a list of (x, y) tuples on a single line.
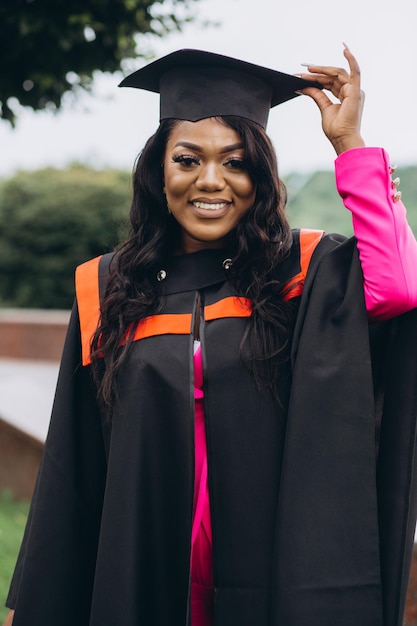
[(341, 121)]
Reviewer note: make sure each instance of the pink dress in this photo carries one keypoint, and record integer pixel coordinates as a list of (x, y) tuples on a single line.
[(202, 591)]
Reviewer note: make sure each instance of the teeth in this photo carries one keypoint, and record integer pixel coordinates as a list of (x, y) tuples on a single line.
[(210, 206)]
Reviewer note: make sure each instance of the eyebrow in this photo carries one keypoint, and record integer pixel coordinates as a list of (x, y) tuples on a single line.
[(196, 148)]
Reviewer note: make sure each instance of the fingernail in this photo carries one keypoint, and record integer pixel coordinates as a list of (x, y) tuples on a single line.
[(300, 93), (345, 45), (308, 64)]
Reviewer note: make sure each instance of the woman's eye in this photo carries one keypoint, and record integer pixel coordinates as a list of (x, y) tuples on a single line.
[(186, 160), (239, 164)]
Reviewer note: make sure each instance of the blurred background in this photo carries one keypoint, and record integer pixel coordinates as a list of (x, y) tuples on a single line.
[(69, 138)]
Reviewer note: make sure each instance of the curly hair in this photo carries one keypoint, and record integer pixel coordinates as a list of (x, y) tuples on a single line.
[(259, 242)]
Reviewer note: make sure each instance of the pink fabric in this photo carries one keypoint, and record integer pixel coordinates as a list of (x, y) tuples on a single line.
[(386, 244), (202, 591)]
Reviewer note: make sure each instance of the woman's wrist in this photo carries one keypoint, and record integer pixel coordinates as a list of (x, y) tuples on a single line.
[(350, 142)]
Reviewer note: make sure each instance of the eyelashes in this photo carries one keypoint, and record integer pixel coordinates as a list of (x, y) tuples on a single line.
[(185, 159), (239, 164), (188, 160)]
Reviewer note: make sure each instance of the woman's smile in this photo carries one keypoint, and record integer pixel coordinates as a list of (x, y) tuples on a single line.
[(206, 182), (208, 209)]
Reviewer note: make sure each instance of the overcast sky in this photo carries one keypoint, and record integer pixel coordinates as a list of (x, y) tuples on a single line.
[(110, 127)]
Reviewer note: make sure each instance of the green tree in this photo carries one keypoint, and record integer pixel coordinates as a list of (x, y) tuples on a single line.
[(52, 220), (50, 48)]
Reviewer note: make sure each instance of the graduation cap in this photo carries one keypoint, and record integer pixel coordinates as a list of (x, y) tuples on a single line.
[(195, 84)]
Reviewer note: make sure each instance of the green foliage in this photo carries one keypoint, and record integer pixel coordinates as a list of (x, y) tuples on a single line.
[(50, 48), (52, 220), (315, 203), (408, 189), (13, 517)]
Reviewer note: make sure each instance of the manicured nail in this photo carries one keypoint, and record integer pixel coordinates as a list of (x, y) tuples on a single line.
[(308, 64)]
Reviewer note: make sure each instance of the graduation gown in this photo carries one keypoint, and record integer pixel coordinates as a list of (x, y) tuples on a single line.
[(313, 507)]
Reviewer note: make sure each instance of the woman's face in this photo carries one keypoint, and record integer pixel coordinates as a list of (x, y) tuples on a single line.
[(207, 186)]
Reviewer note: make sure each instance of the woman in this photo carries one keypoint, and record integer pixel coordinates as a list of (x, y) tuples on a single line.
[(213, 460)]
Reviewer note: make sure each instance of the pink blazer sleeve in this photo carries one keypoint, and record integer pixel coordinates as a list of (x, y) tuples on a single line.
[(386, 244)]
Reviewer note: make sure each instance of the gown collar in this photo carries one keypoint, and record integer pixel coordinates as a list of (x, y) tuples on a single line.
[(190, 272)]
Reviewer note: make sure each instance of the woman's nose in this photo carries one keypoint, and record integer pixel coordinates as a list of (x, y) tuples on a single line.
[(210, 177)]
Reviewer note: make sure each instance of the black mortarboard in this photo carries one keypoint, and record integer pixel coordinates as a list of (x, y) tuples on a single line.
[(195, 84)]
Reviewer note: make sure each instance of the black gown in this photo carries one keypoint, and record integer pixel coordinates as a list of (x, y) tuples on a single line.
[(313, 504)]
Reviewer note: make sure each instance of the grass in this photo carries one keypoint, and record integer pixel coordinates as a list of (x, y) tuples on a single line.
[(13, 515)]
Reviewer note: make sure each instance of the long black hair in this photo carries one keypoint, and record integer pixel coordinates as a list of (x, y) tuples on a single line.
[(260, 241)]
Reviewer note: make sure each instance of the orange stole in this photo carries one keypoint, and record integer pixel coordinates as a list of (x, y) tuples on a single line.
[(88, 297)]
